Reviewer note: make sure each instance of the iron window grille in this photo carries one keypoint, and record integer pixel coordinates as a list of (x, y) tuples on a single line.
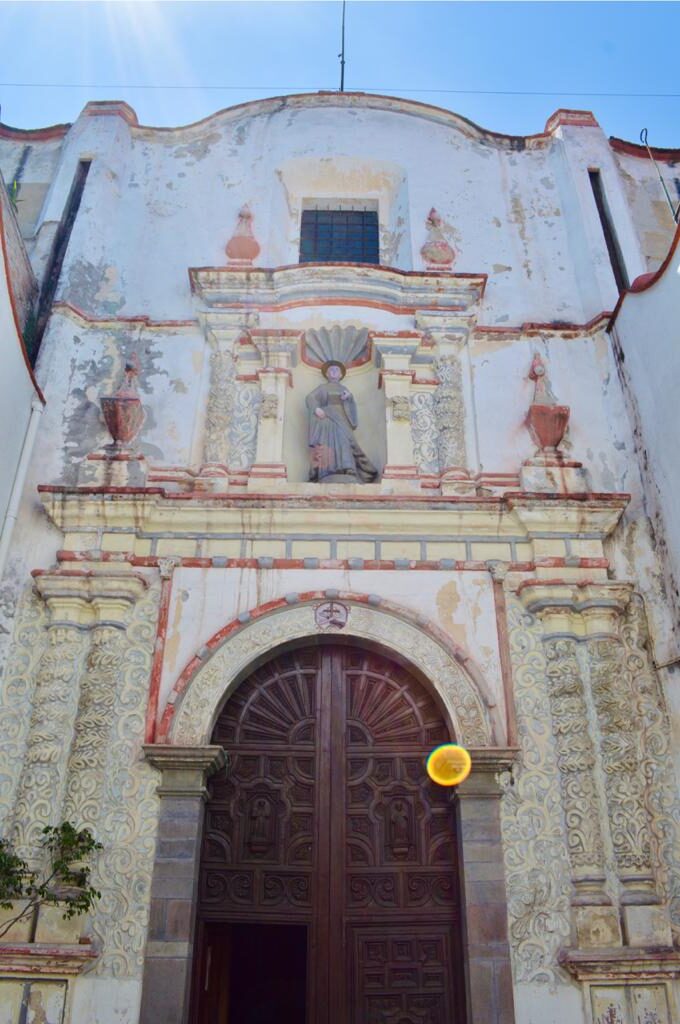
[(342, 236)]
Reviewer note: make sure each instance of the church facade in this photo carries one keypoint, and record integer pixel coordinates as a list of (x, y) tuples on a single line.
[(340, 461)]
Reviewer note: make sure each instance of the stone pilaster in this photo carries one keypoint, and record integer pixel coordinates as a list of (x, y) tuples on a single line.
[(55, 700), (396, 376), (645, 922), (595, 921), (224, 332), (489, 979), (111, 599), (169, 950), (274, 377), (590, 614), (450, 333)]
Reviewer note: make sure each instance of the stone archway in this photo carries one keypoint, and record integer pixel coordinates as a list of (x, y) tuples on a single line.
[(218, 668), (186, 758)]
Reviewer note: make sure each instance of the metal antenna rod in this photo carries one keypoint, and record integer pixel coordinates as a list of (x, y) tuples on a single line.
[(341, 55), (643, 140)]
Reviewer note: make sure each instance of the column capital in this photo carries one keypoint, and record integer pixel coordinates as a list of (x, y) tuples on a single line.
[(489, 764), (83, 598), (184, 770), (577, 609)]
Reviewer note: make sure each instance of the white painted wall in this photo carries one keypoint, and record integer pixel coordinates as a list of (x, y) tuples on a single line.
[(17, 389), (647, 335)]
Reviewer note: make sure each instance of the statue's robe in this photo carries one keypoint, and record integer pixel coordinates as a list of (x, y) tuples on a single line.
[(334, 449)]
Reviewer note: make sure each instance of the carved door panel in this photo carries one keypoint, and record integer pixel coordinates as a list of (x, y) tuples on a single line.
[(326, 818)]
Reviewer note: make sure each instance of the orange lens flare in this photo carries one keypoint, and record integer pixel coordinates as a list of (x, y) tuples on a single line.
[(449, 764)]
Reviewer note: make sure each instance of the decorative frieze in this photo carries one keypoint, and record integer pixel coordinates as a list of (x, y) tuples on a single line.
[(220, 405)]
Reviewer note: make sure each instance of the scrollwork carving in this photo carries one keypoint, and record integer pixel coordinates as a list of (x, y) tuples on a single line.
[(55, 701), (85, 775), (450, 412), (662, 801), (401, 407), (243, 428), (26, 648), (220, 406), (621, 756), (129, 808), (424, 432), (537, 869), (575, 761)]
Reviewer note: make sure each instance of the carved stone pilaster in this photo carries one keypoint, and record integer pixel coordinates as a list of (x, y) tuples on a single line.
[(595, 923), (220, 404), (85, 778), (450, 412), (620, 751), (395, 356), (55, 700), (576, 761), (424, 431)]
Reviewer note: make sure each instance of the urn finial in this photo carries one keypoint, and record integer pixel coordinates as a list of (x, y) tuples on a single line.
[(436, 251), (242, 248), (123, 411)]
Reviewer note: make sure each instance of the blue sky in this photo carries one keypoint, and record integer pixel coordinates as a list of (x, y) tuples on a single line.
[(423, 50)]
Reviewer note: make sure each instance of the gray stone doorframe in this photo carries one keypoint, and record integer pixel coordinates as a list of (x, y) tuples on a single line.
[(168, 960), (169, 950)]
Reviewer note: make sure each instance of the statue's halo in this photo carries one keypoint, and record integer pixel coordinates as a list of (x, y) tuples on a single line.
[(333, 362)]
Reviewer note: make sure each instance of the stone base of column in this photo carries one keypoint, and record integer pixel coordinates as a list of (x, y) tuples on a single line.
[(456, 480), (647, 926), (113, 469), (597, 927), (267, 476), (399, 479), (553, 475), (213, 478)]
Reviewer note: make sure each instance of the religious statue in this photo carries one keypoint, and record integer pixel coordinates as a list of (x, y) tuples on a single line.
[(332, 421)]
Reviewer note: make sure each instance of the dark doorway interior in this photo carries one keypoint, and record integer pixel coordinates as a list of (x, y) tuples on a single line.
[(257, 974)]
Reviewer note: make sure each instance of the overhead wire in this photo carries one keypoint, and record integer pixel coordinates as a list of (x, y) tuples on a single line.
[(308, 88)]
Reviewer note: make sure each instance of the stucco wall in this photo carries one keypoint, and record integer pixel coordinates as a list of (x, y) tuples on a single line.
[(646, 334)]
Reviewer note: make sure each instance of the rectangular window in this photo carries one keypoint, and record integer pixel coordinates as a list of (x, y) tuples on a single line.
[(339, 236), (613, 247)]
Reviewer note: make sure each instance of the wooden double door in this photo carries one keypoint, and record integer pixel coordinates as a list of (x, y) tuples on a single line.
[(329, 879)]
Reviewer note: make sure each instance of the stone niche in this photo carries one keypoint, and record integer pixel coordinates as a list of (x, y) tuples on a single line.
[(351, 346)]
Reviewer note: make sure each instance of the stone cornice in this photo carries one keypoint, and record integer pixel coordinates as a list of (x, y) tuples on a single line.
[(153, 511), (38, 958), (621, 964), (314, 284)]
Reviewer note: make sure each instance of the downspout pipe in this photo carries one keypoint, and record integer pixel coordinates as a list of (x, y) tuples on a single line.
[(12, 513)]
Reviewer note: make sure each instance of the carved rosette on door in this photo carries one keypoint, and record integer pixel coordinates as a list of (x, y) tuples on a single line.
[(327, 819)]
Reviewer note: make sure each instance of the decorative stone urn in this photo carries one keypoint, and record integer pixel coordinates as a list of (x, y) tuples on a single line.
[(436, 251), (547, 421), (242, 248), (123, 411)]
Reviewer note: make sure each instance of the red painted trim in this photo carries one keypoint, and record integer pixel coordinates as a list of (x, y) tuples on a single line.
[(559, 328), (307, 597), (15, 312), (501, 611), (264, 499), (329, 301), (645, 281), (55, 131), (381, 267), (369, 564), (635, 149), (142, 320), (157, 662), (348, 99)]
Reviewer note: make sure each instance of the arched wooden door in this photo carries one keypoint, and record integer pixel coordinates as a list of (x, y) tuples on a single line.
[(329, 880)]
